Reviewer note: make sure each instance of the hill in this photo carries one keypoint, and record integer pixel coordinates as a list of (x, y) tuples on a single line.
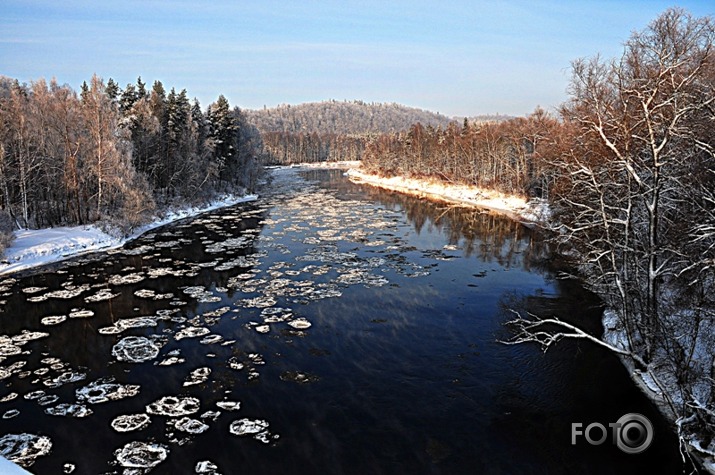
[(346, 117)]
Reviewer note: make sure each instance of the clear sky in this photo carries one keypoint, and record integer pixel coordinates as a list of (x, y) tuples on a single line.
[(454, 57)]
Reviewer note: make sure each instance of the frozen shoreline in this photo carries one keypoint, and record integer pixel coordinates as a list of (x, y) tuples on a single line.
[(516, 207), (37, 247)]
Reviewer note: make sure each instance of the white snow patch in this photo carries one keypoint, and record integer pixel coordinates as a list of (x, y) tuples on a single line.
[(37, 247), (512, 205)]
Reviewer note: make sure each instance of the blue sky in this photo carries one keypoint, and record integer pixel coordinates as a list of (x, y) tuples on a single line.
[(456, 57)]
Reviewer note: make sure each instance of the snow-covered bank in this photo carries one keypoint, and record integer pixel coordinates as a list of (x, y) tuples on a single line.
[(346, 164), (514, 206), (37, 247), (661, 387)]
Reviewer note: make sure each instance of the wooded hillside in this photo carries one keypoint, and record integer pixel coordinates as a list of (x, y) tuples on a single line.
[(114, 154)]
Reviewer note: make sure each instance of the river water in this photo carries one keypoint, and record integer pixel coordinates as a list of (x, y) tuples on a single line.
[(325, 328)]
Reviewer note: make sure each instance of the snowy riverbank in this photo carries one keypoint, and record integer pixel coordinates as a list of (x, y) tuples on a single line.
[(37, 247), (516, 207)]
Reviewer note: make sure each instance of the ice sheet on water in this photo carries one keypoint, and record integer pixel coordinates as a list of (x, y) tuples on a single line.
[(10, 413), (142, 455), (132, 278), (211, 339), (198, 376), (104, 390), (126, 323), (53, 320), (102, 295), (191, 332), (24, 449), (201, 294), (171, 360), (69, 410), (300, 323), (206, 467), (257, 428), (9, 397), (130, 422), (235, 363), (135, 349), (174, 406), (229, 405), (34, 290), (64, 378), (192, 426), (299, 377), (69, 292), (81, 313), (257, 302)]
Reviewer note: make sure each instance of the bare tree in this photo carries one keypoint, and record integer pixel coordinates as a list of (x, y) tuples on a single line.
[(634, 207)]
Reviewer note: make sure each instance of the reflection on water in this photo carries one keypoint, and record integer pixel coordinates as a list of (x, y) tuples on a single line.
[(326, 328)]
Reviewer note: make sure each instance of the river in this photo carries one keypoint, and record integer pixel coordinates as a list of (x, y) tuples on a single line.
[(326, 328)]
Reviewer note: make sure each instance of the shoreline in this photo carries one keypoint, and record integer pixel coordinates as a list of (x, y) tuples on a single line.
[(34, 248), (515, 207)]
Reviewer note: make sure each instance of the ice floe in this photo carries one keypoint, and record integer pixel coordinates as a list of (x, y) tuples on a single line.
[(130, 422), (174, 406), (135, 349), (24, 449), (141, 455), (104, 390)]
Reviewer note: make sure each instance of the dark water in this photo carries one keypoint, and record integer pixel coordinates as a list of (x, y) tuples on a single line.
[(326, 328)]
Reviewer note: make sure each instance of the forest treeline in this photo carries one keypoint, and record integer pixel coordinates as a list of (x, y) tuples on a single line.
[(511, 156), (332, 130), (115, 155)]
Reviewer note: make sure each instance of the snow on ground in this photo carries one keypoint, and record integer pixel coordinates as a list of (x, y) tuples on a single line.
[(515, 206), (37, 247)]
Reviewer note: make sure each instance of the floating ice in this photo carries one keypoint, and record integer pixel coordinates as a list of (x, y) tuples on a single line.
[(234, 363), (26, 336), (210, 339), (171, 360), (191, 332), (300, 323), (10, 413), (259, 302), (141, 455), (257, 428), (192, 426), (64, 378), (276, 314), (9, 397), (33, 290), (130, 422), (104, 294), (71, 410), (206, 467), (24, 448), (81, 313), (198, 376), (173, 406), (104, 390), (125, 323), (298, 377), (126, 279), (135, 349), (262, 328), (53, 319), (229, 405)]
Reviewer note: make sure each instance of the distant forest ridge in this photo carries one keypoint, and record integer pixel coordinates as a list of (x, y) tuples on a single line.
[(350, 117)]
